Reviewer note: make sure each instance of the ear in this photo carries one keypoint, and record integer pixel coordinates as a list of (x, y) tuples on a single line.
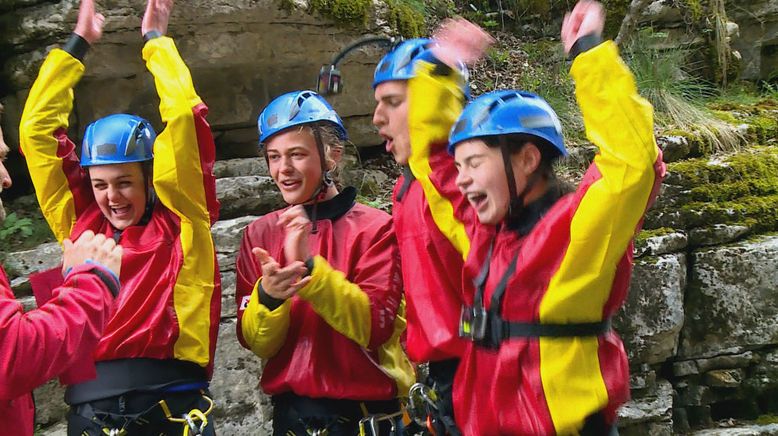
[(526, 160)]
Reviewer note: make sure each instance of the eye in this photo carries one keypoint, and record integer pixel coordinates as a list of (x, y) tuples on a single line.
[(125, 184), (297, 155), (99, 186), (273, 157)]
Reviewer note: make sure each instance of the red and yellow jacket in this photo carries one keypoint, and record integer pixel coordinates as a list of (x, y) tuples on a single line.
[(573, 266), (170, 300), (432, 222), (39, 345), (339, 337)]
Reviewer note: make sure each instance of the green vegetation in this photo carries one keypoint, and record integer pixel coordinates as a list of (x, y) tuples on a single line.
[(677, 95), (23, 231)]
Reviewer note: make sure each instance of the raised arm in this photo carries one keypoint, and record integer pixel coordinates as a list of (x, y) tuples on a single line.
[(619, 186), (61, 186), (184, 153), (436, 99)]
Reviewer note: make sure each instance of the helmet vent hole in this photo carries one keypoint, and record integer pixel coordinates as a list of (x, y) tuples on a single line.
[(105, 150)]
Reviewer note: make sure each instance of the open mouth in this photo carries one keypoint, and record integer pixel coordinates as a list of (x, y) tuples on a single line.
[(389, 142), (477, 200), (120, 212), (290, 185)]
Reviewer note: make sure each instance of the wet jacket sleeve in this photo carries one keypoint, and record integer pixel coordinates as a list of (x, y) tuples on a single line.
[(435, 103), (184, 155), (260, 329), (364, 307), (264, 330), (607, 210), (61, 186), (39, 345), (616, 190)]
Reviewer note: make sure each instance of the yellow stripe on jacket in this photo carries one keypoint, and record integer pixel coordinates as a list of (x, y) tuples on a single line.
[(435, 103), (620, 123), (178, 182), (47, 110)]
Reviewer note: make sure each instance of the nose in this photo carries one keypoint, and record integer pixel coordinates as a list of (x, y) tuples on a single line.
[(463, 180), (113, 194), (286, 165), (379, 120), (5, 178)]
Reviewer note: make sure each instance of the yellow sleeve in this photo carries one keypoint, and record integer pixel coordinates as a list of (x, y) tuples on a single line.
[(264, 330), (614, 193), (342, 304), (181, 151), (45, 115), (436, 101), (183, 181), (613, 198)]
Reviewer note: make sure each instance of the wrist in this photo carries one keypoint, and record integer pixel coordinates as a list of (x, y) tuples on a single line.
[(77, 46), (152, 34), (583, 44), (267, 300)]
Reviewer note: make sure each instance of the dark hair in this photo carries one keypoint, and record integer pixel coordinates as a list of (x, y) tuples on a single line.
[(549, 155)]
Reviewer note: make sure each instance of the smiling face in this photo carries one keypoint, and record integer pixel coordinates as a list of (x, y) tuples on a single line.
[(120, 192), (294, 164), (391, 118), (483, 182)]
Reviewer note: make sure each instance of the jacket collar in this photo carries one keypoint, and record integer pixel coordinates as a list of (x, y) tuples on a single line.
[(335, 207)]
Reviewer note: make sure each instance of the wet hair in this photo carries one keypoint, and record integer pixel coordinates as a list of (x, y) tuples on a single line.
[(330, 138), (549, 155)]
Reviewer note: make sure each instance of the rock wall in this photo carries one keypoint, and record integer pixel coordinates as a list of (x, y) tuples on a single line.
[(241, 53)]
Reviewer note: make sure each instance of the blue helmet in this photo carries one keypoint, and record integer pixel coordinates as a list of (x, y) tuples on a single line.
[(400, 62), (118, 138), (508, 112), (294, 109)]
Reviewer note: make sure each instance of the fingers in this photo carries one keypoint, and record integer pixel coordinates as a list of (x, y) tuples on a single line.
[(290, 214), (266, 262)]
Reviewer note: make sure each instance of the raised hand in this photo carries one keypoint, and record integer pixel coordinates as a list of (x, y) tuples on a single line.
[(277, 282), (157, 16), (298, 232), (96, 248), (90, 23), (458, 40), (586, 18)]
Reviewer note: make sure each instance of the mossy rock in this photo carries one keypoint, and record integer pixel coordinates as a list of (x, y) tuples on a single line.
[(737, 188), (405, 16)]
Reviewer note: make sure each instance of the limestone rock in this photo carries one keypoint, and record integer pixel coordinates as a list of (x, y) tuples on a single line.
[(251, 166), (724, 378), (716, 234), (672, 242), (241, 407), (653, 411), (652, 317), (247, 195), (732, 300), (42, 257)]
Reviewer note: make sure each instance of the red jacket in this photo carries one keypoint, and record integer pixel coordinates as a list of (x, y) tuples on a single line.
[(339, 336), (169, 306), (432, 222), (573, 266), (39, 345)]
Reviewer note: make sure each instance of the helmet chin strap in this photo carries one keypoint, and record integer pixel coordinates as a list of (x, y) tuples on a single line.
[(516, 200), (326, 179)]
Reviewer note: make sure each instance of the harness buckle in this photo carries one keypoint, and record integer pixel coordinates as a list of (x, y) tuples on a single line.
[(472, 323)]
